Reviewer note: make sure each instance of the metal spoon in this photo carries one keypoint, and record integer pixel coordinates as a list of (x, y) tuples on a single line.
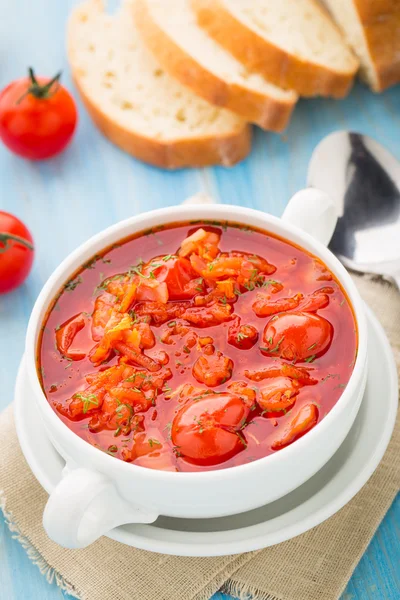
[(364, 180)]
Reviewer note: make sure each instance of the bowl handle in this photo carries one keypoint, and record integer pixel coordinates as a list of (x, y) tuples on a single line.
[(84, 506), (314, 212)]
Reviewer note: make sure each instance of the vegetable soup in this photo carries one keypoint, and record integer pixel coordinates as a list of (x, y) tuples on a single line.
[(197, 346)]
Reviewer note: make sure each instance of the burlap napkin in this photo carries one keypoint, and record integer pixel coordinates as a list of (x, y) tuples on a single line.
[(313, 566)]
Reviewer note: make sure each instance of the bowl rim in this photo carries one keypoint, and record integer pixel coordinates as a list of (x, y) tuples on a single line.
[(169, 215)]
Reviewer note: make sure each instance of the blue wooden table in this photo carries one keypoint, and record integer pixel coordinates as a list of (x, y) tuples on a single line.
[(93, 184)]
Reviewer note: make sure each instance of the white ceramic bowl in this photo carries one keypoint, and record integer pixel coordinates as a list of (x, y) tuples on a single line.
[(98, 492)]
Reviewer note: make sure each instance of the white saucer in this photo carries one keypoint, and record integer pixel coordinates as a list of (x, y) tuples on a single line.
[(319, 498)]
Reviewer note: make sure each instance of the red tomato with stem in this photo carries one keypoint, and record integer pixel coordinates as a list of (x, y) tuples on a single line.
[(16, 252), (37, 116)]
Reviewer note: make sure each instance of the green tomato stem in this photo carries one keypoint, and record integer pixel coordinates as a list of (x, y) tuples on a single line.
[(6, 239)]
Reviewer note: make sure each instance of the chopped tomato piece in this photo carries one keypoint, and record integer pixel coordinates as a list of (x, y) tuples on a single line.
[(278, 396), (152, 291), (137, 357), (213, 370), (297, 336), (65, 335), (202, 242), (300, 374), (304, 420), (264, 307), (116, 285), (316, 301), (135, 397), (247, 394), (91, 398), (160, 313), (177, 273), (207, 430), (242, 336), (147, 339), (119, 327), (227, 289), (103, 310), (128, 297), (208, 316)]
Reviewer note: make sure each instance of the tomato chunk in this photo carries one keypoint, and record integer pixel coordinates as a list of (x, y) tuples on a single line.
[(213, 370), (297, 336), (242, 336), (178, 275), (300, 374), (66, 335), (264, 307), (207, 431), (208, 316), (278, 396), (103, 310), (201, 242), (304, 420)]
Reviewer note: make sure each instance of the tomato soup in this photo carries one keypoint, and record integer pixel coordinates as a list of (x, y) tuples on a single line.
[(197, 346)]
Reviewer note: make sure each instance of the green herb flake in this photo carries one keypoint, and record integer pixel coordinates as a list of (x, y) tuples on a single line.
[(241, 337), (268, 282), (72, 284), (311, 358), (89, 401), (276, 348), (153, 442), (330, 376)]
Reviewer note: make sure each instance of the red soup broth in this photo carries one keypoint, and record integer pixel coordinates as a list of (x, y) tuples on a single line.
[(197, 346)]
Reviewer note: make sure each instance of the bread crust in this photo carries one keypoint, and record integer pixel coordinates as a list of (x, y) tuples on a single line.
[(259, 55), (380, 20), (204, 151), (225, 149), (268, 112)]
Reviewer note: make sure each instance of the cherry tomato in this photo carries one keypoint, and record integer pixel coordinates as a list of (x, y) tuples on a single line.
[(37, 116), (297, 336), (16, 252), (206, 430)]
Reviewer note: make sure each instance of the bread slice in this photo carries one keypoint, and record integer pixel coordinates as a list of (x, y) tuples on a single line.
[(293, 43), (186, 52), (372, 29), (137, 105)]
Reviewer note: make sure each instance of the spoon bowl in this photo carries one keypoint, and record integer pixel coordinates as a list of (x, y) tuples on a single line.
[(364, 180)]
